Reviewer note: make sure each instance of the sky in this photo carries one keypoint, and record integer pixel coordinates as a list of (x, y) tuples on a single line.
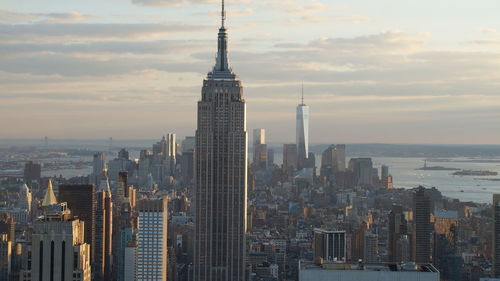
[(385, 71)]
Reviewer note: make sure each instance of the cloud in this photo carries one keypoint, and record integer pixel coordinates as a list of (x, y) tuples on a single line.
[(233, 13), (105, 47), (390, 77), (90, 31), (296, 7), (10, 16), (180, 3), (487, 42), (352, 19), (490, 31)]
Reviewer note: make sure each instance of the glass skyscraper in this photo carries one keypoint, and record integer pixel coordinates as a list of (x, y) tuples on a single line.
[(302, 134)]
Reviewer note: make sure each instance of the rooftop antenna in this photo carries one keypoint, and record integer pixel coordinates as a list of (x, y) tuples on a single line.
[(302, 93), (223, 14)]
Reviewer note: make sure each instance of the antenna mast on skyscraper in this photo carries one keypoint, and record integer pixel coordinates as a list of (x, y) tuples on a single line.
[(223, 14), (302, 93)]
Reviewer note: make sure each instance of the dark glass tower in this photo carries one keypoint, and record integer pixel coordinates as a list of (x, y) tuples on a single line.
[(423, 227), (81, 200), (398, 229), (496, 235), (221, 174)]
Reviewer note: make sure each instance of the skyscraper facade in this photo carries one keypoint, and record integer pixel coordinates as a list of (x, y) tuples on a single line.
[(397, 231), (58, 249), (302, 135), (362, 169), (328, 164), (103, 231), (169, 152), (496, 235), (330, 245), (423, 227), (290, 157), (259, 136), (98, 165), (221, 174), (151, 259), (259, 148), (7, 225), (32, 173), (5, 257), (81, 200), (339, 157)]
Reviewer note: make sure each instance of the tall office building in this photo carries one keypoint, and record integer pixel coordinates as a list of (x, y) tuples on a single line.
[(371, 247), (221, 174), (187, 160), (124, 225), (362, 169), (151, 259), (339, 157), (397, 231), (259, 148), (125, 249), (330, 245), (169, 152), (328, 163), (32, 173), (5, 257), (98, 165), (145, 162), (259, 136), (496, 235), (58, 249), (270, 157), (386, 177), (289, 157), (423, 227), (7, 225), (302, 134), (81, 200), (103, 231)]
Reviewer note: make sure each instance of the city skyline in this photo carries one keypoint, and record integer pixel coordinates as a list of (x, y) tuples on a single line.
[(369, 76), (388, 177)]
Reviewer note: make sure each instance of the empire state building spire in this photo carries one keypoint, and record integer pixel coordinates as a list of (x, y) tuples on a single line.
[(221, 69)]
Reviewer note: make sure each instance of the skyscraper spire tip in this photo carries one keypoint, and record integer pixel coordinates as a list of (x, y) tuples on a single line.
[(223, 14), (302, 93)]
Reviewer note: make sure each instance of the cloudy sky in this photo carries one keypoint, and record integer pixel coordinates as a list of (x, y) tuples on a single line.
[(392, 71)]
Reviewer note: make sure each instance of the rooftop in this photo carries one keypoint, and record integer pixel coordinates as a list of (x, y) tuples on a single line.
[(407, 267), (443, 214)]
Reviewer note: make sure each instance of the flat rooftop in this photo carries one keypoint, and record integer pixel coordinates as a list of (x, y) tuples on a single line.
[(408, 267)]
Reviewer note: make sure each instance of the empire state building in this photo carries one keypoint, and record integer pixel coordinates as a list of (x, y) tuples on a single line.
[(221, 174)]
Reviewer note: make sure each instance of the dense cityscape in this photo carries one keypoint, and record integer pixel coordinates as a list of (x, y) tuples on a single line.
[(224, 204)]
